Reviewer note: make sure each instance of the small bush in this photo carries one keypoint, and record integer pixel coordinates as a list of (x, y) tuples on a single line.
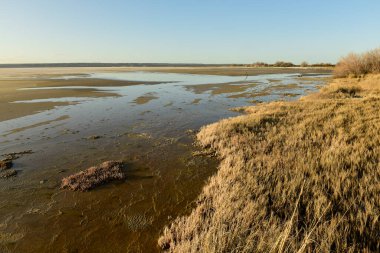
[(322, 64), (350, 91), (283, 64), (260, 64), (356, 65)]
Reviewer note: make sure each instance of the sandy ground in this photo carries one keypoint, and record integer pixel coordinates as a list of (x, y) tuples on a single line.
[(11, 91), (145, 98), (221, 88)]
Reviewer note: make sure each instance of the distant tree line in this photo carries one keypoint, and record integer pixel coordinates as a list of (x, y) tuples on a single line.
[(284, 64)]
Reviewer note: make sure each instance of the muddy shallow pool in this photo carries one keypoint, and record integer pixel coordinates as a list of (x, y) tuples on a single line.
[(150, 127)]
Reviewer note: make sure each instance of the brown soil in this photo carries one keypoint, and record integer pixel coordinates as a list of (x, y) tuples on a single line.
[(220, 88), (146, 98), (10, 92)]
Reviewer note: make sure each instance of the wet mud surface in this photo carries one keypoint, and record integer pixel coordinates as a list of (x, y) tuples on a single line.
[(149, 127)]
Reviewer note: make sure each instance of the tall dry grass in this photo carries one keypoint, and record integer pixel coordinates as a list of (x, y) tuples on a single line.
[(356, 65), (299, 176)]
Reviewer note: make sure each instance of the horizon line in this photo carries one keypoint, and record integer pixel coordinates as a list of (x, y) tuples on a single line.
[(137, 64)]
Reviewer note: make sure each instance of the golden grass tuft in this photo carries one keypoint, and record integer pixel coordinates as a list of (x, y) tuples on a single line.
[(300, 176)]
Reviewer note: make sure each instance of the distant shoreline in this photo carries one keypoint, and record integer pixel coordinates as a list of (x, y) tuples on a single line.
[(54, 65), (68, 65), (54, 71)]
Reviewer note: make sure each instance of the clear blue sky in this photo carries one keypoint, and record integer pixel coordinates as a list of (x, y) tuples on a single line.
[(190, 31)]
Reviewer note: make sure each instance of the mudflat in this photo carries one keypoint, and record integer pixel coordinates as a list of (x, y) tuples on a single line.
[(13, 90), (98, 116), (14, 81)]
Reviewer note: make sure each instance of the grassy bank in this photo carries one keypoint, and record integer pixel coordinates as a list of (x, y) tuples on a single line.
[(299, 176)]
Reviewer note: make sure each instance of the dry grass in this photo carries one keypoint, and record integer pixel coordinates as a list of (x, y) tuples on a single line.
[(8, 173), (94, 176), (5, 164), (299, 176), (6, 170), (356, 65)]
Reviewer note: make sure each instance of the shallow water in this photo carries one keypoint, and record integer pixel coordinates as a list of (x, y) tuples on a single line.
[(147, 127)]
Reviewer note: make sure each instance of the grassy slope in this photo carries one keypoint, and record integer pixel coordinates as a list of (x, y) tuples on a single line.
[(294, 176)]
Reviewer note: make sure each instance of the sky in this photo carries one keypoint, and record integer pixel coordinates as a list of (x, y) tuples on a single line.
[(186, 31)]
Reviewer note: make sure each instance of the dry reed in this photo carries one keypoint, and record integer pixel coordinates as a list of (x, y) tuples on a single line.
[(299, 176)]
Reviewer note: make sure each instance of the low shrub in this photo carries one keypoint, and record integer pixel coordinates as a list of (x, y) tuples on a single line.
[(357, 65), (94, 176)]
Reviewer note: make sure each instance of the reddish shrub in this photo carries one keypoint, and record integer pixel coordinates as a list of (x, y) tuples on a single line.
[(94, 176)]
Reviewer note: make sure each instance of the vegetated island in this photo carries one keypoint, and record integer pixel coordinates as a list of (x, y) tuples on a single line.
[(299, 176)]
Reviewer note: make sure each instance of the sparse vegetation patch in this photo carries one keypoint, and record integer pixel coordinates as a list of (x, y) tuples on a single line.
[(94, 176)]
